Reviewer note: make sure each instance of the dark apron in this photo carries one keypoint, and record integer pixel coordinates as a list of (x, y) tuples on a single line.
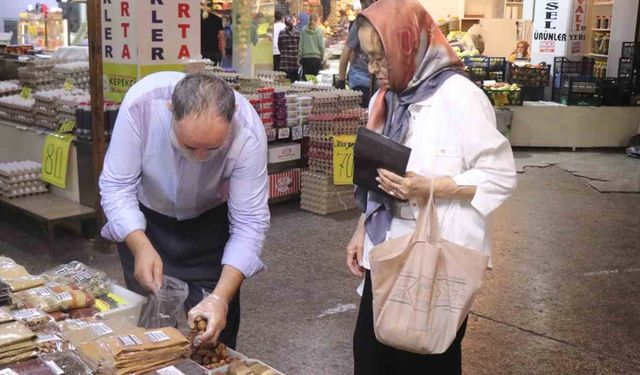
[(191, 250)]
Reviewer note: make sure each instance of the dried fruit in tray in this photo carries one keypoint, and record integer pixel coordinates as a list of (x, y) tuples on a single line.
[(209, 355)]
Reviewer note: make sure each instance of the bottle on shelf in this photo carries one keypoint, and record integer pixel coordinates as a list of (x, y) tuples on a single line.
[(598, 22), (605, 22)]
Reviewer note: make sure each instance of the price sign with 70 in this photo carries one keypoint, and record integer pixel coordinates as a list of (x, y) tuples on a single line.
[(343, 159)]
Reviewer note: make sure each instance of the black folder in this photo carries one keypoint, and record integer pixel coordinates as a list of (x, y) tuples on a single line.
[(373, 151)]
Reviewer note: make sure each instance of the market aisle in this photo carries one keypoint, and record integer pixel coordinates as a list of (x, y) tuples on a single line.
[(562, 298)]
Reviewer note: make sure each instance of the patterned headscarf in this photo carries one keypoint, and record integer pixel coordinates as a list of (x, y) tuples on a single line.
[(419, 60)]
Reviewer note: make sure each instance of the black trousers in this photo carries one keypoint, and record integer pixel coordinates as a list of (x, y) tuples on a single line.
[(276, 63), (191, 250), (293, 75), (374, 358), (311, 66)]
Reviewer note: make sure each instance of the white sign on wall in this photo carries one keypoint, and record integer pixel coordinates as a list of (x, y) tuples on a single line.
[(559, 29)]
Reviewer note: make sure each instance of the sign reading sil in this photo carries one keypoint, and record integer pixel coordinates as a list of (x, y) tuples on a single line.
[(559, 29)]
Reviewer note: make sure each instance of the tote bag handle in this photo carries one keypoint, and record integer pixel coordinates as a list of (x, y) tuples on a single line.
[(427, 227)]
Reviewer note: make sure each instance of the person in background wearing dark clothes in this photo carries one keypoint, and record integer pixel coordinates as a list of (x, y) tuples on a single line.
[(288, 45), (227, 59), (359, 78), (212, 43), (278, 26), (311, 48)]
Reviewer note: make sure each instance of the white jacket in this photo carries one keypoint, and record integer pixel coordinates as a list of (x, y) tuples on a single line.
[(453, 133)]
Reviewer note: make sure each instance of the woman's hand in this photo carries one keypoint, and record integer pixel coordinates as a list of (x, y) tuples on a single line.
[(411, 186), (355, 250)]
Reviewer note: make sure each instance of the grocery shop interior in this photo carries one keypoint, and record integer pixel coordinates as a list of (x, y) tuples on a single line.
[(382, 187)]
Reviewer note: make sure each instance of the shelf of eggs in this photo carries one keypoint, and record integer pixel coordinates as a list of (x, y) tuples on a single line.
[(335, 113), (284, 115), (53, 107), (37, 74), (76, 72), (21, 178)]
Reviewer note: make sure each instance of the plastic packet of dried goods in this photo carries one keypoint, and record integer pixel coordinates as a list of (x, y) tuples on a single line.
[(52, 342), (79, 331), (66, 363), (16, 276), (88, 278), (35, 318), (31, 297), (72, 299), (184, 367), (165, 307), (15, 332), (31, 367), (5, 316)]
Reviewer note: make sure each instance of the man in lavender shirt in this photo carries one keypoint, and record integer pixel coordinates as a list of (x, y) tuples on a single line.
[(184, 189)]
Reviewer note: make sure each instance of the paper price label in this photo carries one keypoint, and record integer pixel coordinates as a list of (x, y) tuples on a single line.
[(343, 159), (26, 93), (67, 126), (53, 366), (68, 84), (171, 370), (43, 291), (48, 337), (129, 340), (101, 329), (62, 270), (64, 296), (77, 323), (8, 371), (82, 276), (55, 160), (307, 131), (272, 135), (284, 133), (296, 133), (500, 99), (26, 314), (156, 336)]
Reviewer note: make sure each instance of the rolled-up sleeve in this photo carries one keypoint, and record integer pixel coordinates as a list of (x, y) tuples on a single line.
[(487, 155), (120, 177), (248, 205)]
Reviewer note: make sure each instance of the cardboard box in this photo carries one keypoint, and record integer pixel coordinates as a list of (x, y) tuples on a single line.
[(284, 183), (284, 152)]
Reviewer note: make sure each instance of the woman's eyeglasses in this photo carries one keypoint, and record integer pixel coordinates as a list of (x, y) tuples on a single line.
[(374, 60)]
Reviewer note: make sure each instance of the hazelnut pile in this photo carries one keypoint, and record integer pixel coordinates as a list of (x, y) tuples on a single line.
[(210, 355)]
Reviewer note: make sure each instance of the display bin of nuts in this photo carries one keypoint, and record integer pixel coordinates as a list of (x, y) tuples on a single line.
[(210, 355)]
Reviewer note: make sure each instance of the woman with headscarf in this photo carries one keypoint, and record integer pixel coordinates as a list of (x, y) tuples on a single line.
[(426, 103)]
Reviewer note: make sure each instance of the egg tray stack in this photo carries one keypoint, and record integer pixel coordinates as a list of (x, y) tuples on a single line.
[(67, 105), (76, 72), (48, 105), (17, 109), (319, 194), (322, 197), (21, 178), (309, 86), (248, 85), (272, 77), (233, 79), (37, 74), (325, 102), (8, 88)]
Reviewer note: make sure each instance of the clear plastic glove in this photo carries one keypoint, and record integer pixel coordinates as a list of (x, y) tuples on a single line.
[(214, 310)]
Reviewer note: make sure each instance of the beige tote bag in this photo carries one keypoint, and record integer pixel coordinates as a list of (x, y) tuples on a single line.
[(423, 287)]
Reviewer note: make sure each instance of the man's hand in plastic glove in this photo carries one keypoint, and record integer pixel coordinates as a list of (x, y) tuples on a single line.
[(214, 310)]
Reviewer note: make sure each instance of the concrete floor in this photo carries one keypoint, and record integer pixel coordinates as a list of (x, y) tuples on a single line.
[(562, 298)]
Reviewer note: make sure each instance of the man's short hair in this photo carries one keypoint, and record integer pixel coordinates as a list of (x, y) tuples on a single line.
[(278, 15), (202, 93)]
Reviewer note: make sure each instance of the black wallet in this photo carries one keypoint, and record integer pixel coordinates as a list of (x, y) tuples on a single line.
[(373, 151)]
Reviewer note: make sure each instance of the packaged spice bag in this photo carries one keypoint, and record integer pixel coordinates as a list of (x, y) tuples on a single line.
[(13, 333), (95, 282), (31, 367), (66, 363), (35, 318), (184, 367), (72, 299), (31, 297), (16, 276)]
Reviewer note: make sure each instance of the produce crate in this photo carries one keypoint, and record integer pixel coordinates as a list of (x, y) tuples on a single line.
[(476, 62), (497, 69), (529, 76), (583, 92), (628, 67), (532, 93), (498, 96), (631, 50), (616, 92), (564, 70), (477, 74)]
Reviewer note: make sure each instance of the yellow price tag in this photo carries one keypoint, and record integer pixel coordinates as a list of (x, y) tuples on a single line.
[(500, 99), (55, 159), (343, 159), (26, 92), (67, 126), (68, 84)]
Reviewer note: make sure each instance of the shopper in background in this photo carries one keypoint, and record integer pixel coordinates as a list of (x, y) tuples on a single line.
[(288, 46), (184, 189), (426, 103), (303, 19), (521, 52), (227, 59), (311, 48), (212, 43), (359, 77), (278, 26)]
